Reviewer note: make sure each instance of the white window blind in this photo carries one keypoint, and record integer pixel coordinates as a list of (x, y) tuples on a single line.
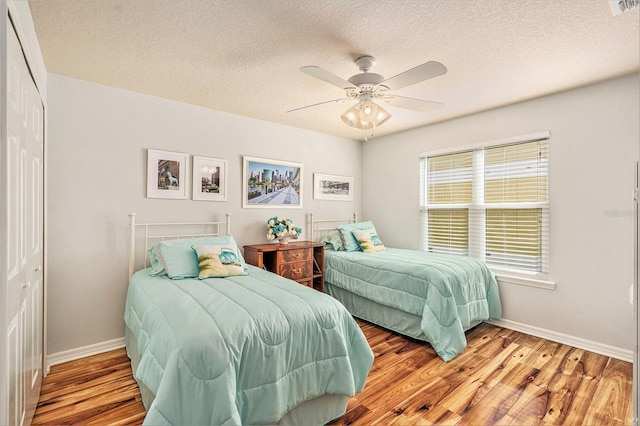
[(517, 206), (491, 203), (449, 231), (449, 197)]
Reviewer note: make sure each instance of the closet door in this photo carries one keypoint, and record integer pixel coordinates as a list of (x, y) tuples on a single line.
[(24, 243), (34, 218)]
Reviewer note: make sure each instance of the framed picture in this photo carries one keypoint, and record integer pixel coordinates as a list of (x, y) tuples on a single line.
[(330, 187), (271, 183), (209, 179), (167, 174)]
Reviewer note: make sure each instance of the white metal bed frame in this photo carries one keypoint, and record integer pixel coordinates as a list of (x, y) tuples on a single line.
[(319, 227), (155, 232)]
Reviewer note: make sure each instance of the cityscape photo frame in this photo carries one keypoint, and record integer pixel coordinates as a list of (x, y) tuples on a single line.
[(271, 183), (332, 187)]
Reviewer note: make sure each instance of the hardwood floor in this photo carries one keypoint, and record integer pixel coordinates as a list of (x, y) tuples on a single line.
[(95, 390), (503, 377)]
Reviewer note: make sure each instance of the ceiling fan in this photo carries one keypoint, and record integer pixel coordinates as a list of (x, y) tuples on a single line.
[(367, 87)]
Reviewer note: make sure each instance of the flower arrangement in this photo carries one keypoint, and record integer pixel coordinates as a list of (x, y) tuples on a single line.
[(278, 227)]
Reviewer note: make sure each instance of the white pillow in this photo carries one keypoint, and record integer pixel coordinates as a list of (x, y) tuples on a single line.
[(368, 240), (218, 261)]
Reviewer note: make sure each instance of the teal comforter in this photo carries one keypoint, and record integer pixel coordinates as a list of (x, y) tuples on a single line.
[(239, 350), (449, 293)]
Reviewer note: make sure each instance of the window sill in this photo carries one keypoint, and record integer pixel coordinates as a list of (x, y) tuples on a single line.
[(528, 282)]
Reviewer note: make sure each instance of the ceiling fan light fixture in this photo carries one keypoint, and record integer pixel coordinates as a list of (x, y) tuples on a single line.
[(364, 125), (382, 116), (350, 116), (367, 86), (365, 115)]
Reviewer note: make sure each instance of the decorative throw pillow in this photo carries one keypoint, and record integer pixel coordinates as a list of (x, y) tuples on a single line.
[(178, 260), (332, 241), (218, 261), (346, 233), (369, 240)]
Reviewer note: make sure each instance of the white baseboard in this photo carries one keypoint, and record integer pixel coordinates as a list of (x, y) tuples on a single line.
[(576, 342), (73, 354)]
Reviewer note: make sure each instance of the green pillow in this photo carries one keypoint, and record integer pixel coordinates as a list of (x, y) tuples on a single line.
[(346, 233), (332, 241), (157, 268)]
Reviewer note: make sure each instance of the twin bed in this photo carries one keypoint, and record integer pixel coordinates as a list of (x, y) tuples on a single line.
[(427, 296), (244, 347), (215, 341)]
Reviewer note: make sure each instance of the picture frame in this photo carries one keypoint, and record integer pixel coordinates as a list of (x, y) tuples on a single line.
[(332, 187), (209, 179), (167, 173), (270, 183)]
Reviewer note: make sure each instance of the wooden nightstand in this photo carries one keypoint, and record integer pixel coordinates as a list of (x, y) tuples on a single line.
[(301, 261)]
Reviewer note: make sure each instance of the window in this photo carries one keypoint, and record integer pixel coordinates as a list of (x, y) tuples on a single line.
[(491, 203), (449, 194)]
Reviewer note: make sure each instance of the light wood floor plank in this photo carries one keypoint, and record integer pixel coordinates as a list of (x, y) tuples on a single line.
[(502, 377)]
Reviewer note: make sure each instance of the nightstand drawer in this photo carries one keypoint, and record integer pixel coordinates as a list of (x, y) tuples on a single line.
[(296, 270), (296, 255)]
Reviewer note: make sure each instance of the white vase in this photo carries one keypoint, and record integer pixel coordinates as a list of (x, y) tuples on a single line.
[(284, 239)]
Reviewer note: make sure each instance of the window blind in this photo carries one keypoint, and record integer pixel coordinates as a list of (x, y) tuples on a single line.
[(491, 203), (449, 231), (516, 200), (448, 195), (449, 178), (516, 173)]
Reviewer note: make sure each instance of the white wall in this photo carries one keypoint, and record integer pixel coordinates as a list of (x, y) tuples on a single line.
[(96, 173), (593, 148)]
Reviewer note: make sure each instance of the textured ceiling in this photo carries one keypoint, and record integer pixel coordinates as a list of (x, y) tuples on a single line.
[(243, 56)]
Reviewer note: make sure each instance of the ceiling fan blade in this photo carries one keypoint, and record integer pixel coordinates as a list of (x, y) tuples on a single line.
[(326, 76), (318, 104), (412, 103), (415, 75)]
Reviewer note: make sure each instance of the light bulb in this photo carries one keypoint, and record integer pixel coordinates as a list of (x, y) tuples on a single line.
[(368, 111)]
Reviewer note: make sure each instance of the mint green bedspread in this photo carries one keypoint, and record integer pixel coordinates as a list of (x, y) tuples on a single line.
[(449, 293), (240, 350)]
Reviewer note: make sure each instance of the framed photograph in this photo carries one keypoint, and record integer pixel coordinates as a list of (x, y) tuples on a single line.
[(209, 179), (167, 174), (330, 187), (271, 183)]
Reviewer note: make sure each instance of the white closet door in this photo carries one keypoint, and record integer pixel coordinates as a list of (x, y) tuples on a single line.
[(25, 252)]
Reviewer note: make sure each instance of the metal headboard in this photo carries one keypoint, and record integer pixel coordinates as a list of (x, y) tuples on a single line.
[(320, 227), (160, 231)]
